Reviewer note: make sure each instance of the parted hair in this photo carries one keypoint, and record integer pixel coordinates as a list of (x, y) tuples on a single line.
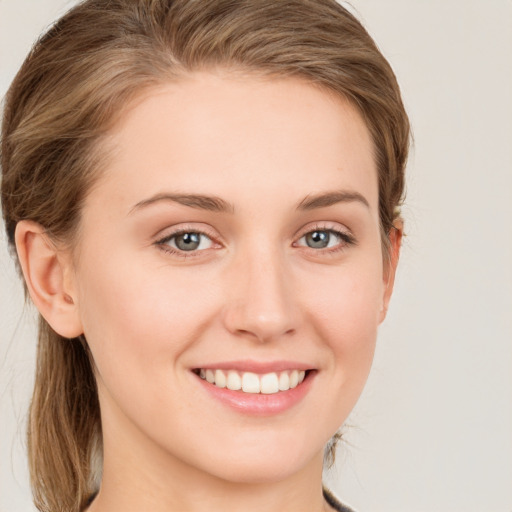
[(75, 83)]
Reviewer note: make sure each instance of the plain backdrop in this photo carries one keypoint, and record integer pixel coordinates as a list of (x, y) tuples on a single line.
[(433, 429)]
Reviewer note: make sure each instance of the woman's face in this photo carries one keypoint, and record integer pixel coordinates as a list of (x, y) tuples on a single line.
[(234, 235)]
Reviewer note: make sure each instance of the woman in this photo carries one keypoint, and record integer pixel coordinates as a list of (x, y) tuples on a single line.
[(203, 197)]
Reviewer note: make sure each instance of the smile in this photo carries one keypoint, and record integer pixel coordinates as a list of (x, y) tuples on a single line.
[(249, 382)]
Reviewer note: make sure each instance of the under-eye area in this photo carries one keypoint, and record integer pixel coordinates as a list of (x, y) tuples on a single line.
[(250, 382)]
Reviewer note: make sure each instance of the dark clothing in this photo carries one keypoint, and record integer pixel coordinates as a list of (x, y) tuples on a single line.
[(333, 501)]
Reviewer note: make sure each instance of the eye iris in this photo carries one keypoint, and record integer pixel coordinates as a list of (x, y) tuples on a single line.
[(318, 239), (188, 241)]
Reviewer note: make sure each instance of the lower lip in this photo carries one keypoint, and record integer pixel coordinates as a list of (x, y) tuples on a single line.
[(259, 404)]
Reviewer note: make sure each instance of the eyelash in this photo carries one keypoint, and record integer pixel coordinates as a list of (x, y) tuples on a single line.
[(163, 242), (346, 239)]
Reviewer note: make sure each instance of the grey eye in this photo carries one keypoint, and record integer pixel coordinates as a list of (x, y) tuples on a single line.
[(192, 241), (320, 239)]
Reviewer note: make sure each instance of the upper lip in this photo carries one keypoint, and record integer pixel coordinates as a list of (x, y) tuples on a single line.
[(257, 366)]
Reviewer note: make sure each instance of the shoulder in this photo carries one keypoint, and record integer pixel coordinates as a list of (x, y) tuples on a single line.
[(335, 503)]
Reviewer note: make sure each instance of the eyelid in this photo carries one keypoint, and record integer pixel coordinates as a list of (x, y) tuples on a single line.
[(324, 226), (186, 227), (165, 235)]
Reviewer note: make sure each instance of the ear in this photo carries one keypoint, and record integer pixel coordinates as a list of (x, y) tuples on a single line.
[(47, 272), (390, 264)]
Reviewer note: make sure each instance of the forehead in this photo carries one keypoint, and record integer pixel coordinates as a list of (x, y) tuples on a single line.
[(239, 136)]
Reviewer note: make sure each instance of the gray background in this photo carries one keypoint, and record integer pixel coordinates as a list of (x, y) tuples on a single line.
[(433, 429)]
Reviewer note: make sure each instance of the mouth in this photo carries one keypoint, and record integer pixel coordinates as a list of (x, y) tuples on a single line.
[(257, 388), (253, 383)]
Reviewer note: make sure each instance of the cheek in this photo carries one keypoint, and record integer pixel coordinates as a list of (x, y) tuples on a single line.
[(347, 305), (140, 319), (139, 324), (346, 318)]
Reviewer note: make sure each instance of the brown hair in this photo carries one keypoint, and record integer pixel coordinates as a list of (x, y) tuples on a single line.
[(69, 92)]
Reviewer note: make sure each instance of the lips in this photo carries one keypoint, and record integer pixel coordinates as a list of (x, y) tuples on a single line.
[(255, 388), (251, 382)]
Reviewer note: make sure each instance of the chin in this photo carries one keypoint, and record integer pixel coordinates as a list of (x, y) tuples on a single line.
[(263, 463)]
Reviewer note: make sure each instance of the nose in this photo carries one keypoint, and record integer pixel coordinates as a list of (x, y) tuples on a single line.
[(261, 304)]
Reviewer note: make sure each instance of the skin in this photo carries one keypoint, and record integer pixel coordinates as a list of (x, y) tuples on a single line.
[(254, 290)]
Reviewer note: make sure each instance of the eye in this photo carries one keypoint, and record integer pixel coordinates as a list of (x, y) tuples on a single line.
[(187, 241), (320, 239), (325, 239)]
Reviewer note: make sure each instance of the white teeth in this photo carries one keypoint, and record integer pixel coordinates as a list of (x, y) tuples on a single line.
[(250, 382), (220, 379), (294, 379), (284, 381), (234, 381), (269, 383)]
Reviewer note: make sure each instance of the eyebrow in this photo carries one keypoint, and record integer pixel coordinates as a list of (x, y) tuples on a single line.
[(219, 205), (326, 199), (201, 202)]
